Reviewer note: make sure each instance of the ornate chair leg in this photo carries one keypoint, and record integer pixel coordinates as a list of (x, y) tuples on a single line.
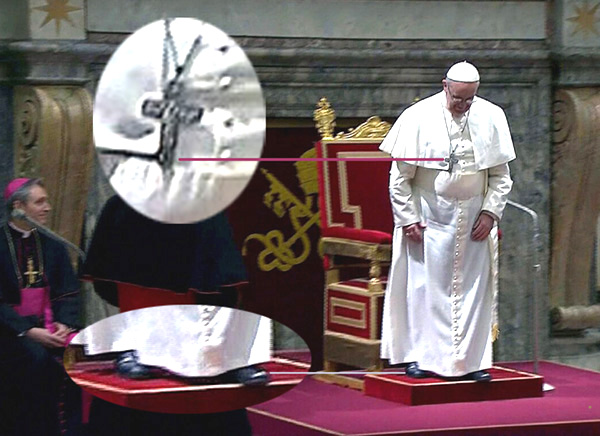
[(374, 276)]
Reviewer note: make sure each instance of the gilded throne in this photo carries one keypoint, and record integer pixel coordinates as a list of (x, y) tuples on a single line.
[(356, 235)]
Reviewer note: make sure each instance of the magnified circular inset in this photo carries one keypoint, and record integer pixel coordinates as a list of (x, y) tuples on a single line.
[(183, 359), (177, 89)]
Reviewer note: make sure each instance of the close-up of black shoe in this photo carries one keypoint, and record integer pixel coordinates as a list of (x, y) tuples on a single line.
[(413, 371), (481, 376), (128, 365), (249, 376)]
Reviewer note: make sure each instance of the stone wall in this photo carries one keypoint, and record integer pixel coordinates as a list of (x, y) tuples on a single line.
[(6, 142)]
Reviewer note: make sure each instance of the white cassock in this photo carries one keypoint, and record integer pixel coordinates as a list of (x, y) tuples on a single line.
[(187, 340), (440, 299)]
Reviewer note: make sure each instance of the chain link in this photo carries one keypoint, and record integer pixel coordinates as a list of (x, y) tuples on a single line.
[(168, 48)]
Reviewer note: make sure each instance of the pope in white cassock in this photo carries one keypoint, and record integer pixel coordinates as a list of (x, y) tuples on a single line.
[(439, 310)]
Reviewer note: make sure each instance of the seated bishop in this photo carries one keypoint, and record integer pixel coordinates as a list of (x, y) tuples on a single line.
[(39, 312)]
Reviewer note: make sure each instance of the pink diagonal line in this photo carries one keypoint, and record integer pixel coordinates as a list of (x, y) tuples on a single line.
[(306, 159), (338, 372)]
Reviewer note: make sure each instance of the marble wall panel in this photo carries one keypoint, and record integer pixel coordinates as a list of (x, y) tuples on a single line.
[(6, 142), (336, 18), (578, 23)]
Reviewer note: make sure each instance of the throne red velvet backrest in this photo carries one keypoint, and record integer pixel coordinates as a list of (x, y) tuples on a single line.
[(353, 195)]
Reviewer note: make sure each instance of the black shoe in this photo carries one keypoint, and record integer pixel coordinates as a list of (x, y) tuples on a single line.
[(128, 365), (481, 376), (413, 371), (249, 376)]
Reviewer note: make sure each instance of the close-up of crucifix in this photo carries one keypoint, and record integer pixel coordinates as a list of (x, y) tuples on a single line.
[(175, 91), (171, 110), (452, 159), (31, 273)]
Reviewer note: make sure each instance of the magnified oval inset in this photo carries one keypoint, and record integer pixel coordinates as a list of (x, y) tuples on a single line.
[(183, 359), (176, 89)]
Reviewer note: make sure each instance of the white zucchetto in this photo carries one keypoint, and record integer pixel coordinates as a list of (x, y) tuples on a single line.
[(463, 72)]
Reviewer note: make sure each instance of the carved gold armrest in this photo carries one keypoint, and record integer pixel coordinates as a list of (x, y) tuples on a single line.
[(374, 253)]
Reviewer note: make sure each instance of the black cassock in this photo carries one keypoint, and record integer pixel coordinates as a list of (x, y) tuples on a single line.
[(30, 374), (128, 247)]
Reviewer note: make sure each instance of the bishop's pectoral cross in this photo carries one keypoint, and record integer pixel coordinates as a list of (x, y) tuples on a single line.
[(30, 273), (451, 161), (172, 113)]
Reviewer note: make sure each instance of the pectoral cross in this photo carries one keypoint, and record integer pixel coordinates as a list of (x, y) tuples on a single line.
[(451, 161), (172, 113), (30, 273), (171, 110)]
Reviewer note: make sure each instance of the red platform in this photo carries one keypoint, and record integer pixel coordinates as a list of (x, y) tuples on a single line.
[(173, 395), (506, 384), (316, 408)]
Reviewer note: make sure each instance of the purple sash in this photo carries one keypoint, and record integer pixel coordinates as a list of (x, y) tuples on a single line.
[(36, 301)]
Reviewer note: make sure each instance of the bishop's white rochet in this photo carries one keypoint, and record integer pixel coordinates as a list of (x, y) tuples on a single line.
[(178, 88)]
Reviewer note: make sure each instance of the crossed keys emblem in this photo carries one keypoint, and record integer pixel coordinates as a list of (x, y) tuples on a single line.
[(280, 253)]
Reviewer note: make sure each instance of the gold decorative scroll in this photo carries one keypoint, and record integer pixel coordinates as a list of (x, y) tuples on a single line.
[(53, 140), (373, 128), (324, 116), (575, 194)]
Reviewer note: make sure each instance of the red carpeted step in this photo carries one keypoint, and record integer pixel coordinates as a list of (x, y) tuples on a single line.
[(506, 384), (316, 408)]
